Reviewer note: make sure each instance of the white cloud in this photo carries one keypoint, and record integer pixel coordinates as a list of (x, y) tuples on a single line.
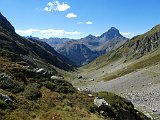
[(29, 31), (73, 33), (56, 6), (46, 33), (52, 32), (126, 33), (71, 15), (89, 22)]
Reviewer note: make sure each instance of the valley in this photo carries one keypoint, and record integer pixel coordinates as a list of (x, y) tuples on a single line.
[(99, 77)]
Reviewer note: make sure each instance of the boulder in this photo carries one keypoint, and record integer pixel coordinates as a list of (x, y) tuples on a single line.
[(40, 71), (80, 77), (4, 76), (100, 101), (5, 98), (56, 77)]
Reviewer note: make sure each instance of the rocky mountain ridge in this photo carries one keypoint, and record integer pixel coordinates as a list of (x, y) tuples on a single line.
[(92, 46)]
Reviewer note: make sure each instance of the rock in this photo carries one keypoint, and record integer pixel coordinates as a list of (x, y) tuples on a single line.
[(149, 116), (99, 101), (91, 79), (4, 76), (80, 77), (5, 98), (40, 71), (154, 110), (56, 77), (78, 89), (43, 72), (90, 95)]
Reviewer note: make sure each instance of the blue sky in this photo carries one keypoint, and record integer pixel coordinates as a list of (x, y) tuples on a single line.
[(78, 18)]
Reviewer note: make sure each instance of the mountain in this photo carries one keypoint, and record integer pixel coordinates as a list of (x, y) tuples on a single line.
[(55, 42), (79, 53), (112, 33), (32, 52), (105, 42), (85, 50)]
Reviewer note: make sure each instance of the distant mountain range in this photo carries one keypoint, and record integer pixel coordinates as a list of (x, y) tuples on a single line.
[(85, 50)]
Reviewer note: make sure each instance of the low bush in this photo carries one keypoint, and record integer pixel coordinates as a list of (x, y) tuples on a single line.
[(59, 86), (32, 92), (11, 85), (3, 105)]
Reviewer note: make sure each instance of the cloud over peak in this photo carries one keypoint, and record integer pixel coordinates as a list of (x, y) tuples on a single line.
[(71, 15), (56, 6)]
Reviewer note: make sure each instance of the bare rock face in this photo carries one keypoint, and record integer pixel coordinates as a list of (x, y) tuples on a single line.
[(5, 24), (141, 45), (148, 44)]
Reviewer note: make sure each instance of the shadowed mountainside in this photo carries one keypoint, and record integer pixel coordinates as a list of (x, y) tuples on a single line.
[(30, 51)]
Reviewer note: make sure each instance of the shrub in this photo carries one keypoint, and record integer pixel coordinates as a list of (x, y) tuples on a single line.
[(11, 85), (3, 105), (32, 92), (61, 86), (49, 85)]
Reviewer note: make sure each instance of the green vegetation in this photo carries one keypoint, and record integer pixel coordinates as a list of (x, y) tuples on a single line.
[(119, 106), (10, 85), (32, 92), (59, 86), (44, 98), (148, 60), (41, 98)]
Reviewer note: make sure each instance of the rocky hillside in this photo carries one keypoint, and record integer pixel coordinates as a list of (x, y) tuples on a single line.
[(143, 44), (91, 46), (32, 52)]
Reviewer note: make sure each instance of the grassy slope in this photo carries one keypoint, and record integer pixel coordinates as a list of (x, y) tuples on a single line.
[(146, 61), (51, 103), (58, 100)]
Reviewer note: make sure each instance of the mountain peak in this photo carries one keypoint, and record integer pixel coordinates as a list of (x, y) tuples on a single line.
[(114, 31), (90, 36), (113, 28), (111, 34), (5, 24)]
